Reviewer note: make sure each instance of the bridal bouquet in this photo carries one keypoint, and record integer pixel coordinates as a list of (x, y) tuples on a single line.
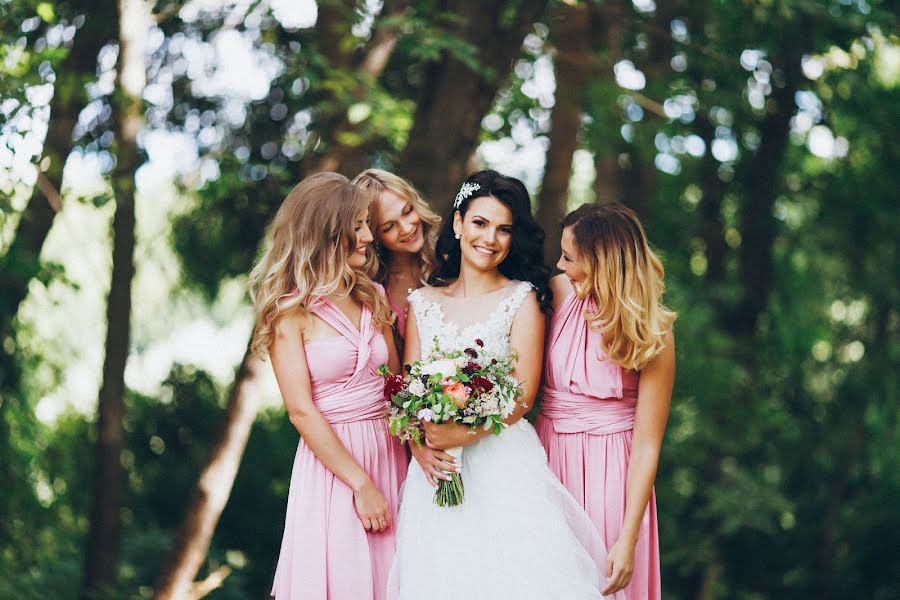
[(469, 387)]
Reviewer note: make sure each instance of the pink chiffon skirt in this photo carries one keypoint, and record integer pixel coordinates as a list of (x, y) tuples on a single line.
[(594, 469), (326, 554)]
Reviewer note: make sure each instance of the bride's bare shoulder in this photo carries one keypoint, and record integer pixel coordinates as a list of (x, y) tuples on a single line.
[(426, 291)]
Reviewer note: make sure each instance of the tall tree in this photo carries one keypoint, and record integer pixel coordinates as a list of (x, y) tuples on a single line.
[(761, 184), (570, 31), (101, 563)]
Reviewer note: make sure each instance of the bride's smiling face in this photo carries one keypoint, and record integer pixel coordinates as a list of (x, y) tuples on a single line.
[(485, 232)]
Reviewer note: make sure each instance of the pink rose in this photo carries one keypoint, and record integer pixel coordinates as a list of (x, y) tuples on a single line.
[(458, 393)]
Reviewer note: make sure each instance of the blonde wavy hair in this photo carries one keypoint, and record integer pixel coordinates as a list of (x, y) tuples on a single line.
[(625, 278), (378, 181), (311, 238)]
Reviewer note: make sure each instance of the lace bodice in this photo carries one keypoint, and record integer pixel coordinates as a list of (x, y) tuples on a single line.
[(493, 330)]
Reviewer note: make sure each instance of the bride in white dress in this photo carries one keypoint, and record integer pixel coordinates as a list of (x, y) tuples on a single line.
[(518, 533)]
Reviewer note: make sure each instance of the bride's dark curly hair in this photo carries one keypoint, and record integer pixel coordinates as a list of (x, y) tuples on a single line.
[(525, 261)]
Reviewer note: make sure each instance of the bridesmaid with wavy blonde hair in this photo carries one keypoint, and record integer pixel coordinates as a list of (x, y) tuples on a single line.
[(405, 231), (609, 370), (327, 328)]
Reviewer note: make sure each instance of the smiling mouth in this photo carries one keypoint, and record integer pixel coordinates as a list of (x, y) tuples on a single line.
[(361, 250), (411, 238), (485, 251)]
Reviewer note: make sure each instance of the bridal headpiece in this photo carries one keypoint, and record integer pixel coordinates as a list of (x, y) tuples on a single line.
[(465, 191)]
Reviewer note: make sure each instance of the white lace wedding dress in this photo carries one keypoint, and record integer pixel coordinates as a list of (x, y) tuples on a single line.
[(518, 534)]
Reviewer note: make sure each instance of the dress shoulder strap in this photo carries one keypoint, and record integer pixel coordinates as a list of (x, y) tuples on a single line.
[(511, 304)]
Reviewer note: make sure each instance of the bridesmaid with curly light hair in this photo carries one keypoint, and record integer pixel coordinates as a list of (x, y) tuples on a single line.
[(327, 328), (405, 231), (609, 369)]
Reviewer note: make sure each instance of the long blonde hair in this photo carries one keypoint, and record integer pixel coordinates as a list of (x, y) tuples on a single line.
[(379, 181), (312, 236), (625, 278)]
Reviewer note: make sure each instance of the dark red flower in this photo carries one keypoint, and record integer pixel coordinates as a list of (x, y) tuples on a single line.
[(480, 343), (471, 367), (482, 384), (471, 352), (392, 385)]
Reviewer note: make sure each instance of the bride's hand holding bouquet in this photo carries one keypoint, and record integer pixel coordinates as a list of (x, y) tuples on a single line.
[(451, 397)]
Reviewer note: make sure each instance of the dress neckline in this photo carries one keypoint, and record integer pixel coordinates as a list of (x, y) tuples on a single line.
[(476, 324), (343, 317)]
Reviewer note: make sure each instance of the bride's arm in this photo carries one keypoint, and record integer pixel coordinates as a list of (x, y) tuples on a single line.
[(526, 339)]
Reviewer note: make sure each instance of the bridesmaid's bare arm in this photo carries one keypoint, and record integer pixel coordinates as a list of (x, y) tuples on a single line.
[(412, 350), (393, 362), (654, 397), (292, 372)]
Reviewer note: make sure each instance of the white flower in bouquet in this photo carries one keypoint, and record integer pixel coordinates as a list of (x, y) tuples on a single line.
[(445, 367), (416, 388)]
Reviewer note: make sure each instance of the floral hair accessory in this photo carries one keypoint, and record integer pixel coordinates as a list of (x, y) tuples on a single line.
[(465, 191)]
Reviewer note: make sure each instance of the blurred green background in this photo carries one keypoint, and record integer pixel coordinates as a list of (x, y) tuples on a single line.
[(145, 146)]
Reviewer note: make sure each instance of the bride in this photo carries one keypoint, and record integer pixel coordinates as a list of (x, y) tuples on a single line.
[(518, 533)]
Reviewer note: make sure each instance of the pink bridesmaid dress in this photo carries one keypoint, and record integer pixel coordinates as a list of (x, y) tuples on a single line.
[(326, 554), (585, 424)]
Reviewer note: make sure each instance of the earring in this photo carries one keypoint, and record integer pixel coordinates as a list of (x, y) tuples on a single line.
[(458, 236)]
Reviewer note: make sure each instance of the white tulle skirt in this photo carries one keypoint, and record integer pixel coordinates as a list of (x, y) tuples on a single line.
[(518, 534)]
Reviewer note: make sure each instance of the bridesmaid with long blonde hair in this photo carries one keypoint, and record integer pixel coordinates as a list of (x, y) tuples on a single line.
[(609, 369), (327, 328), (405, 231)]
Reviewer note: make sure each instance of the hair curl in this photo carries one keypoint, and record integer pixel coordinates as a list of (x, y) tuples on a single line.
[(379, 181), (311, 238), (525, 261), (625, 278)]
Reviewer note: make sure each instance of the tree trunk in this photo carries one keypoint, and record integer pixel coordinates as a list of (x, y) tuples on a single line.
[(609, 19), (21, 262), (102, 557), (711, 206), (213, 486), (570, 30), (453, 99), (761, 187)]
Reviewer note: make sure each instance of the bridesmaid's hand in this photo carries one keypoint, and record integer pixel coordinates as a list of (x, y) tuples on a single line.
[(371, 508), (449, 435), (435, 463), (619, 566)]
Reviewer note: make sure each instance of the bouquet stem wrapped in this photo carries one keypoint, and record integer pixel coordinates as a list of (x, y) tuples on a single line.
[(452, 492)]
